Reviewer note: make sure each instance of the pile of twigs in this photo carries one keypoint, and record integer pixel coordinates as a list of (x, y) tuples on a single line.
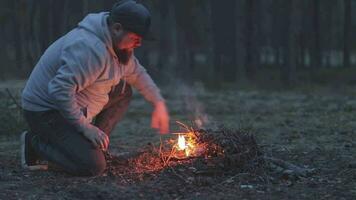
[(223, 156), (224, 150), (228, 149)]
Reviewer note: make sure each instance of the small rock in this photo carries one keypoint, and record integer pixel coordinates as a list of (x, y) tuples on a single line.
[(181, 169), (190, 179), (229, 180), (288, 183), (193, 169), (246, 186)]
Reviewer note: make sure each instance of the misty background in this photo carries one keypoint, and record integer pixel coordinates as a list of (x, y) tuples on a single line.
[(216, 42)]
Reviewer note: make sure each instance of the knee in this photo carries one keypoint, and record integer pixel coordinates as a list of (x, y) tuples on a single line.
[(96, 168)]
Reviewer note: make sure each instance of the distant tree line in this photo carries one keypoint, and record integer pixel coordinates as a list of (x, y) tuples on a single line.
[(208, 40)]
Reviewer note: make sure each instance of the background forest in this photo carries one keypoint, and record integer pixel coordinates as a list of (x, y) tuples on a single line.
[(275, 41)]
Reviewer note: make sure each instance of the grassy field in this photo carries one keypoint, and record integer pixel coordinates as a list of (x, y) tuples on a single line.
[(314, 128)]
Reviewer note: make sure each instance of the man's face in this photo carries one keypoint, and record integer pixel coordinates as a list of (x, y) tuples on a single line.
[(124, 40), (129, 41)]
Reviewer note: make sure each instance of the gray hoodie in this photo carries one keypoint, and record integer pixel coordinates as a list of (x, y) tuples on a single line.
[(79, 70)]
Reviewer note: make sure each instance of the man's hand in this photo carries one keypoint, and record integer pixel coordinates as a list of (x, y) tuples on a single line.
[(97, 137), (160, 118)]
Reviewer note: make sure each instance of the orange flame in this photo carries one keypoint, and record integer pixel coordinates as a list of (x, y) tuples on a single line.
[(181, 143), (186, 143)]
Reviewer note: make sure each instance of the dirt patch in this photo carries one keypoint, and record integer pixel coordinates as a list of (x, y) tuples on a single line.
[(307, 130)]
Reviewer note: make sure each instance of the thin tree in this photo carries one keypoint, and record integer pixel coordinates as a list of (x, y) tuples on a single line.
[(224, 39), (251, 38), (293, 32), (316, 49), (347, 32)]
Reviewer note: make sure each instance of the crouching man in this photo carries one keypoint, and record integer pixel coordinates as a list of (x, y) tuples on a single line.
[(81, 87)]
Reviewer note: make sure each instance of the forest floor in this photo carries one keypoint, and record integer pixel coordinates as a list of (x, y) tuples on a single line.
[(309, 128)]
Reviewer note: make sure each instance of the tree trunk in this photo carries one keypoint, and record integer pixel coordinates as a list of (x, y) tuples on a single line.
[(278, 35), (293, 32), (17, 35), (164, 39), (251, 38), (31, 51), (240, 47), (347, 32), (44, 24), (224, 39), (316, 50)]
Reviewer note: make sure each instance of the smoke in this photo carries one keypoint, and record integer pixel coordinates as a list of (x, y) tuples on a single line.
[(194, 108), (186, 99)]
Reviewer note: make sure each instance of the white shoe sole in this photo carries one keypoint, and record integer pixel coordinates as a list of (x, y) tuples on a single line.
[(23, 160)]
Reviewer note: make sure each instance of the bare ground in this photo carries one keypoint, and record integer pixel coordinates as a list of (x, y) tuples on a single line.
[(313, 130)]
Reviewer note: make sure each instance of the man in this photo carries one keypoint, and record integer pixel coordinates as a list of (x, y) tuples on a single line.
[(81, 87)]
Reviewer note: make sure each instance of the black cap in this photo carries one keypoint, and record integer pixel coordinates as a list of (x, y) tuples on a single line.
[(133, 17)]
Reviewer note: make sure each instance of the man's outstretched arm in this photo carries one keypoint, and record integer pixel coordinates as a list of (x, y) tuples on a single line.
[(136, 75)]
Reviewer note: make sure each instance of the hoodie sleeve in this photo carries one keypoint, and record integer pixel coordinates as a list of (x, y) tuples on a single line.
[(137, 76), (80, 66)]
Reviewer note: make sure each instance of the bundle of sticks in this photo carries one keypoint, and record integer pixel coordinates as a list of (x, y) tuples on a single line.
[(214, 150)]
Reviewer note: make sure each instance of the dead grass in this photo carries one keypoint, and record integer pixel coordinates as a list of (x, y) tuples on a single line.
[(310, 129)]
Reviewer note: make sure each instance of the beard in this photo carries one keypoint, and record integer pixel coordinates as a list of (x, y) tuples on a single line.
[(124, 55)]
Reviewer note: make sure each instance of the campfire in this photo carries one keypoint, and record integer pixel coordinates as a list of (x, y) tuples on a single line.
[(195, 156), (186, 145), (215, 151)]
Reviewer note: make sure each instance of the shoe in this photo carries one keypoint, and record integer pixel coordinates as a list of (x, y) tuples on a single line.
[(29, 159)]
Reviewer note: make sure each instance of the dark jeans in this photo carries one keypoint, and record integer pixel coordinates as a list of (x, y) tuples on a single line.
[(59, 142)]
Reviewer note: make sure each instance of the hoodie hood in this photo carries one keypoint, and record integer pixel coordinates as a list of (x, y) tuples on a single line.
[(96, 23)]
